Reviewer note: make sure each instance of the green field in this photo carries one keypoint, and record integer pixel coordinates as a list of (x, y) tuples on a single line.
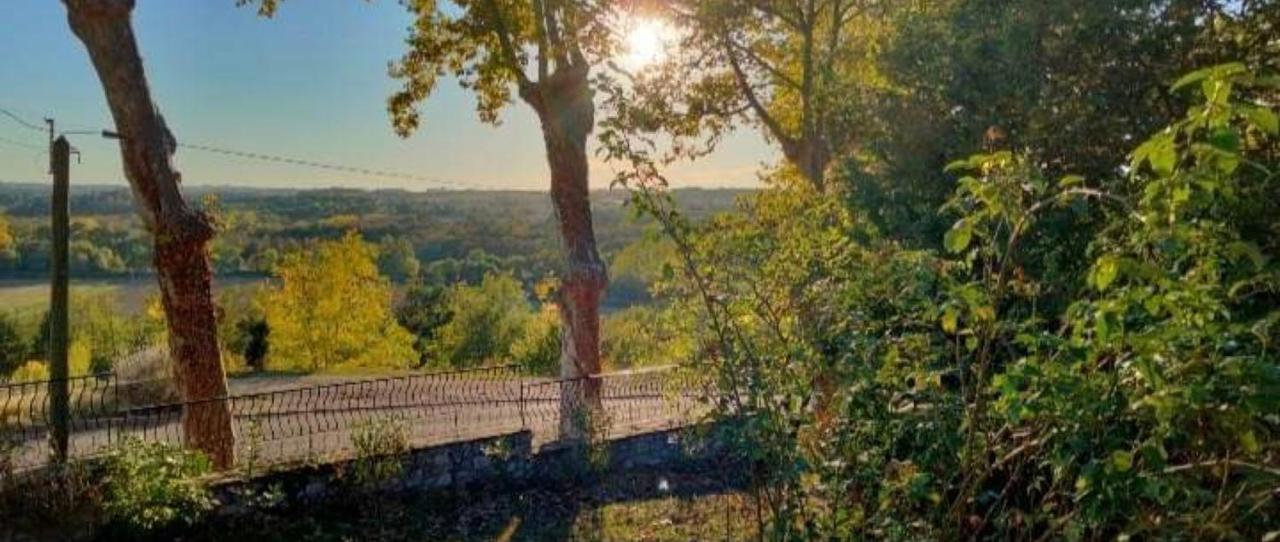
[(131, 295), (22, 295)]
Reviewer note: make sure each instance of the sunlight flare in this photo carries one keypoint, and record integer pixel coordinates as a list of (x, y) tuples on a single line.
[(648, 41)]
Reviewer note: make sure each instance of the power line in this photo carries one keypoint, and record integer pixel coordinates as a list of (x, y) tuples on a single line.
[(21, 120), (266, 157), (326, 166)]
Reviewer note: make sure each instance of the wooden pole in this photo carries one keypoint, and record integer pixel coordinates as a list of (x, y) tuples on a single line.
[(59, 404)]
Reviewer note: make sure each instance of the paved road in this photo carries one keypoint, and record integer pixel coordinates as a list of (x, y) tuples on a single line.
[(283, 419)]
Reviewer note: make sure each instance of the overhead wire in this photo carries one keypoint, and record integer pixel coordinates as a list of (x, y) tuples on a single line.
[(18, 119), (328, 166), (267, 157)]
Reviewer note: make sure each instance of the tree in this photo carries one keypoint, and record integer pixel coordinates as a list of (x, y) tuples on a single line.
[(537, 350), (545, 49), (795, 67), (471, 269), (13, 348), (485, 322), (6, 237), (636, 269), (180, 233), (256, 346), (423, 312), (331, 308), (1075, 82), (396, 258), (492, 45)]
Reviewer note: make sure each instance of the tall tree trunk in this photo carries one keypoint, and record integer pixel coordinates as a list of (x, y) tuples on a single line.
[(567, 114), (181, 234), (811, 157)]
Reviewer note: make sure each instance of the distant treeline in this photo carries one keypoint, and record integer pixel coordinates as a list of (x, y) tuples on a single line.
[(453, 234)]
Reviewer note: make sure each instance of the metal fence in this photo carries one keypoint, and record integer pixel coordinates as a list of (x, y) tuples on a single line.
[(317, 422)]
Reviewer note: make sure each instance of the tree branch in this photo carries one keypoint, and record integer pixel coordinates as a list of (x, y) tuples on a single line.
[(744, 84), (503, 33), (540, 23)]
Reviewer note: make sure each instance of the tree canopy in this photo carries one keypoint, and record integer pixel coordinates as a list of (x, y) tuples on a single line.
[(331, 307)]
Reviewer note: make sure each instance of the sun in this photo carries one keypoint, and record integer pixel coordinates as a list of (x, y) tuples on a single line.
[(647, 42)]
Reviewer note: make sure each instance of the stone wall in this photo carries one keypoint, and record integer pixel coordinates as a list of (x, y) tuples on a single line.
[(504, 462)]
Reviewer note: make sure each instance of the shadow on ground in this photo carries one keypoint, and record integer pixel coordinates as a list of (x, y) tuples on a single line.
[(651, 506)]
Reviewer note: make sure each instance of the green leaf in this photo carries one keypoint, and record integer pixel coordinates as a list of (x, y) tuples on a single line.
[(958, 237), (1163, 155), (1071, 181), (1240, 250), (985, 313), (1105, 272), (1225, 140), (950, 321), (1249, 442), (1222, 70), (1216, 91), (1191, 79), (1102, 326), (1121, 460), (1264, 119), (958, 165)]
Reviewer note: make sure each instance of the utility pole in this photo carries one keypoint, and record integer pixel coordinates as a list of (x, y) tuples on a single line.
[(59, 328)]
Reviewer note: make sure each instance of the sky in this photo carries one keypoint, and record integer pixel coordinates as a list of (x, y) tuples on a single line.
[(310, 83)]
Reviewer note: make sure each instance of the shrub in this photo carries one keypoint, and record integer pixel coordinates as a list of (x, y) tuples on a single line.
[(13, 347), (378, 445), (151, 485), (987, 393), (486, 321), (31, 371), (144, 378), (646, 336), (537, 352)]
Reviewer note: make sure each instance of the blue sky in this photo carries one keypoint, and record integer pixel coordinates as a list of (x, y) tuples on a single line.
[(310, 83)]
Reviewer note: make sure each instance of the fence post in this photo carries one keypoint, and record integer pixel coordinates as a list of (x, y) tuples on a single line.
[(524, 424), (59, 402)]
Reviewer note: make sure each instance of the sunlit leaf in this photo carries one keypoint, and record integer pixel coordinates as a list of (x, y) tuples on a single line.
[(1163, 155), (958, 237), (1263, 118), (1105, 272), (950, 320), (1122, 460)]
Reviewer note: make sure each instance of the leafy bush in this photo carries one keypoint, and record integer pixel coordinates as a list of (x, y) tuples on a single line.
[(379, 445), (537, 351), (151, 485), (423, 311), (486, 321), (31, 371), (144, 378), (646, 336), (886, 393), (13, 347)]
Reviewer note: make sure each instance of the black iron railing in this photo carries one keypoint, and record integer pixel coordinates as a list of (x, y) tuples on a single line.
[(316, 421)]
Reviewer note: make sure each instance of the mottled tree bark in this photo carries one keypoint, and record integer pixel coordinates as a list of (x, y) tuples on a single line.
[(567, 114), (181, 234)]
